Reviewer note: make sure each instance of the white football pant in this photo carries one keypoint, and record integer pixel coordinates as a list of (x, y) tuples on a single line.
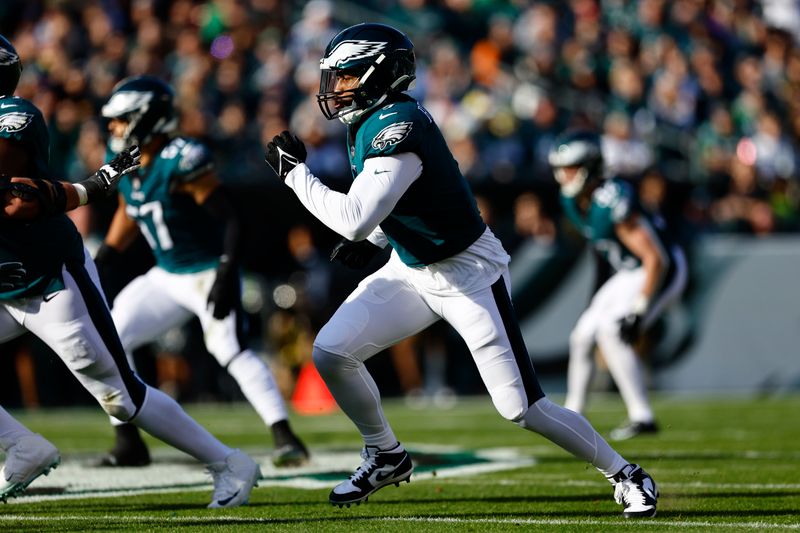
[(76, 324), (471, 292), (158, 301), (599, 325)]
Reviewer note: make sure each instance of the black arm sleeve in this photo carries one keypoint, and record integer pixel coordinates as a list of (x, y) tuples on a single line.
[(220, 204)]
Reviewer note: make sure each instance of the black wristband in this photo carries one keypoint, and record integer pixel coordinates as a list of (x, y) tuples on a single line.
[(94, 187)]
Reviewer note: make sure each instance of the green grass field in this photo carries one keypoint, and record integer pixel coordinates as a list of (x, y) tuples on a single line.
[(722, 464)]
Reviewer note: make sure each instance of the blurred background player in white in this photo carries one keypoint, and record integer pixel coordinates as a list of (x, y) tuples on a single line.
[(187, 217), (49, 286), (446, 264), (640, 271)]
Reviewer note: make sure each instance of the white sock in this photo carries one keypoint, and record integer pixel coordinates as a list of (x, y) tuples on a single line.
[(163, 418), (357, 395), (628, 373), (11, 430), (572, 432), (258, 386)]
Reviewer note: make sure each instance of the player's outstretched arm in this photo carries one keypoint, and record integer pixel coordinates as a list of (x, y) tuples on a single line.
[(27, 198), (103, 182)]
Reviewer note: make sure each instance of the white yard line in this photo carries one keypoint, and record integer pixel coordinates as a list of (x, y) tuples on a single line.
[(211, 519)]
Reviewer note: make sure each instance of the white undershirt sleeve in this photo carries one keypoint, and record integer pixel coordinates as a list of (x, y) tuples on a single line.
[(378, 238), (373, 195)]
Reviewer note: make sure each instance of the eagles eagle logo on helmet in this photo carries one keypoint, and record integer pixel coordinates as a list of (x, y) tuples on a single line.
[(7, 57), (347, 51)]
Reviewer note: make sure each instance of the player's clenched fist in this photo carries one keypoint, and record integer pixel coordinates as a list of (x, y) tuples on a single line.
[(284, 152)]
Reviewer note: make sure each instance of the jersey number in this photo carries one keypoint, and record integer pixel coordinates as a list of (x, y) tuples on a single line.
[(152, 210)]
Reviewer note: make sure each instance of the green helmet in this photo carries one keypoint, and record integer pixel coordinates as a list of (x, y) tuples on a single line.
[(146, 103), (577, 148), (10, 67), (381, 57)]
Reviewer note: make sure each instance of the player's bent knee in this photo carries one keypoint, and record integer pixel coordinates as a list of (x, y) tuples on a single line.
[(578, 339), (329, 363), (510, 403)]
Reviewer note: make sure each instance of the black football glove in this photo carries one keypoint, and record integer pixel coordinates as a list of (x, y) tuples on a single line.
[(630, 328), (284, 152), (224, 294), (354, 254), (103, 182), (12, 276)]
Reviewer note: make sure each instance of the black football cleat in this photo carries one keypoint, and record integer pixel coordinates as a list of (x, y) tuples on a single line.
[(129, 449), (630, 430), (380, 468), (288, 455), (289, 449)]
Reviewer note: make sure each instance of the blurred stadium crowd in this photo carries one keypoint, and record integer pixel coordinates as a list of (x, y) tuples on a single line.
[(698, 102)]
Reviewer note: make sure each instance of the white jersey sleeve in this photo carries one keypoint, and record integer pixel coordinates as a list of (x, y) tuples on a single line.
[(373, 195)]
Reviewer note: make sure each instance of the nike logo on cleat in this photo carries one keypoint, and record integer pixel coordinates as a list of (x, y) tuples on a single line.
[(381, 476), (226, 501)]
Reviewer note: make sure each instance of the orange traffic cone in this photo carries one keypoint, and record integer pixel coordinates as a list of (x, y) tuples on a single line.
[(311, 396)]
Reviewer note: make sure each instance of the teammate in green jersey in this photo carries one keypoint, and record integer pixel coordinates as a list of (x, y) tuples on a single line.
[(177, 202), (49, 286), (446, 264), (649, 273)]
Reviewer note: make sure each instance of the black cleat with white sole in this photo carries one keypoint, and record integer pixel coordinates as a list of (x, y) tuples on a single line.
[(636, 491), (380, 468)]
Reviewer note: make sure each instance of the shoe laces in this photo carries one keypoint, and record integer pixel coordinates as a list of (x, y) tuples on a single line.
[(629, 491), (367, 466)]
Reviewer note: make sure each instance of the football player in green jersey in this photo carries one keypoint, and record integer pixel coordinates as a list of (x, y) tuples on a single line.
[(649, 272), (49, 286), (177, 202), (446, 264)]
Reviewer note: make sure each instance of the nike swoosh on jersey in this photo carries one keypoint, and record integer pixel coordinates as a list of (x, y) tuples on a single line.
[(381, 171), (4, 106), (382, 116)]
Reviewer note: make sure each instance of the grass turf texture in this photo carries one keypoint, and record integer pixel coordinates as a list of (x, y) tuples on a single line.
[(722, 464)]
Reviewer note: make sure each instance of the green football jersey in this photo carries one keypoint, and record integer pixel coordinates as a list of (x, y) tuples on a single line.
[(183, 235), (613, 202), (437, 217), (42, 246)]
